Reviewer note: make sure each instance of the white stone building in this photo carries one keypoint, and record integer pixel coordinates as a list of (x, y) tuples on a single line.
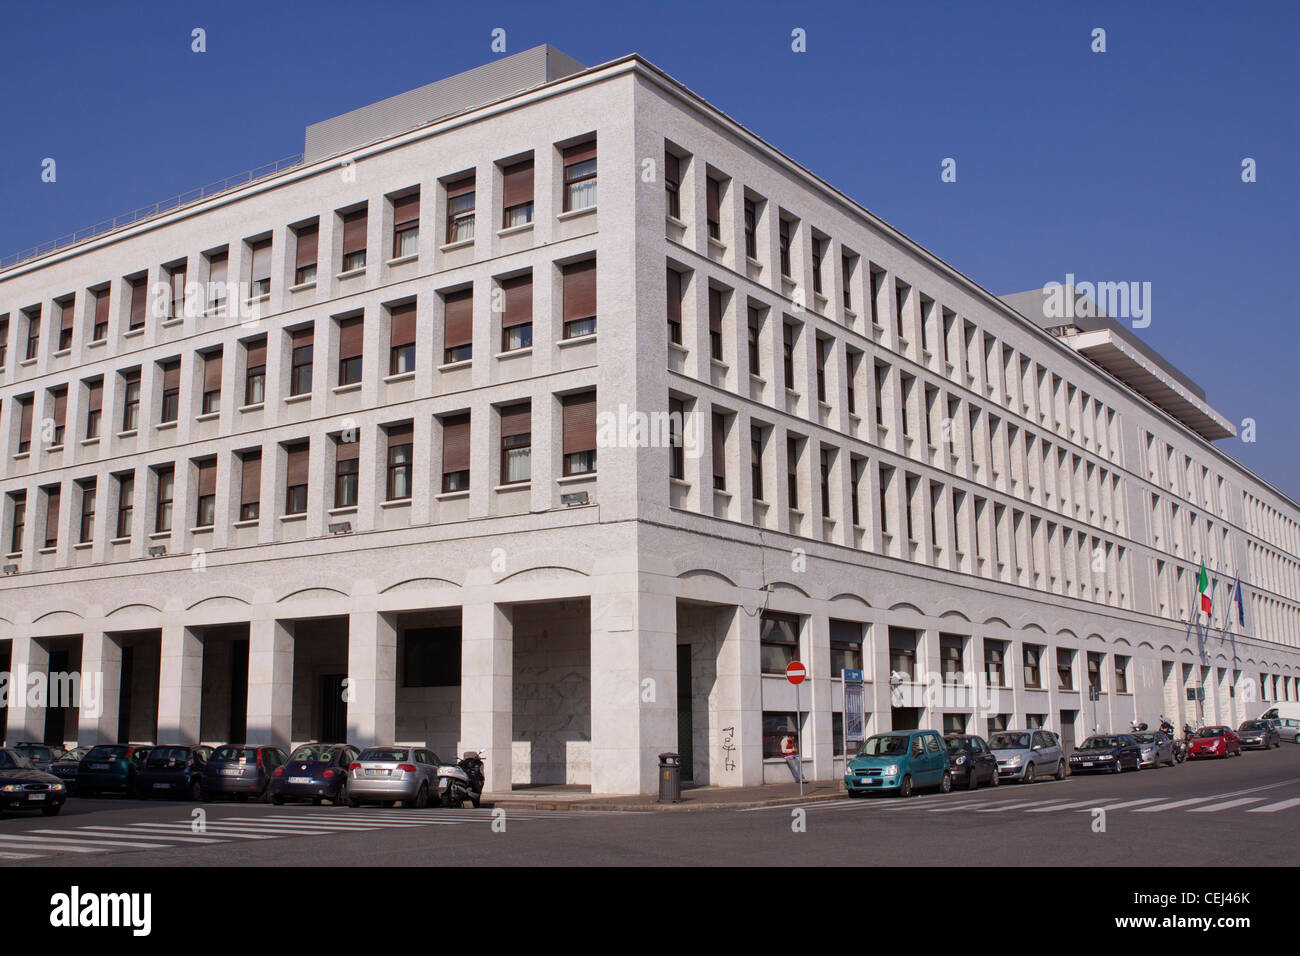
[(360, 496)]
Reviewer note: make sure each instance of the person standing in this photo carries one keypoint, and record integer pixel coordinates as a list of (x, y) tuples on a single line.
[(790, 751)]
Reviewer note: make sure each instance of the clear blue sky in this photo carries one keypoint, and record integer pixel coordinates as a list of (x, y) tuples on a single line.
[(1116, 166)]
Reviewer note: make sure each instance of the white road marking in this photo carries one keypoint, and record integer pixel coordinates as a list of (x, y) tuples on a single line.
[(1018, 806), (78, 841), (141, 831), (1216, 807), (1175, 805), (1096, 801), (20, 856), (4, 841), (1275, 807)]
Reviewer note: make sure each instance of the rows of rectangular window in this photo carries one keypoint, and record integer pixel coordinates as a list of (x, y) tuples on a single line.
[(1269, 524), (1269, 570), (1183, 532), (513, 430), (897, 315), (174, 296), (1185, 478)]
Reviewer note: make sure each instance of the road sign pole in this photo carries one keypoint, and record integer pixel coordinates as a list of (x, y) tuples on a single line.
[(798, 737)]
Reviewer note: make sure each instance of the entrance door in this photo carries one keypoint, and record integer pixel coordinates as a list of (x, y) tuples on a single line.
[(334, 710), (685, 734), (56, 718), (1067, 731), (238, 690)]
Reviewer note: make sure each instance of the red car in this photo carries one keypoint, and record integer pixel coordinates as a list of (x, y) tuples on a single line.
[(1214, 742)]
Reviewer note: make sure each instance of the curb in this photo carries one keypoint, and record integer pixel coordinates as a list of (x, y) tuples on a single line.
[(684, 807)]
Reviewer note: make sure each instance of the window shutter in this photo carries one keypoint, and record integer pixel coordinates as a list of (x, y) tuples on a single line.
[(406, 211), (755, 320), (517, 184), (458, 318), (217, 264), (674, 296), (60, 407), (301, 338), (256, 353), (846, 632), (402, 318), (176, 279), (207, 478), (712, 199), (516, 420), (354, 232), (580, 153), (347, 451), (518, 293), (171, 375), (351, 333), (400, 435), (250, 478), (715, 310), (719, 447), (296, 470), (672, 168), (212, 372), (25, 419), (580, 290), (579, 423), (52, 514), (67, 311), (455, 443), (138, 296), (308, 237), (460, 187), (261, 260), (95, 396), (101, 307)]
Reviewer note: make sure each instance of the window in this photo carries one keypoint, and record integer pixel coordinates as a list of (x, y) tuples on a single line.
[(131, 400), (346, 472), (460, 210), (674, 306), (823, 347), (993, 663), (67, 311), (218, 264), (94, 406), (676, 442), (354, 240), (166, 484), (751, 224), (719, 434), (580, 176), (351, 336), (458, 326), (673, 185), (824, 463), (53, 495), (579, 442), (715, 324), (755, 327), (1094, 670), (301, 348), (713, 204), (517, 194), (777, 725), (455, 453), (818, 245), (517, 314), (211, 382), (756, 460), (785, 247), (255, 376), (406, 226), (33, 334), (846, 277), (59, 399), (1032, 654), (4, 339), (86, 532), (139, 295), (1121, 674), (579, 299), (400, 457), (306, 244), (171, 394), (401, 339), (516, 443), (950, 657), (787, 353), (902, 653), (250, 485), (846, 647), (295, 482), (205, 513), (125, 505), (779, 642), (19, 525)]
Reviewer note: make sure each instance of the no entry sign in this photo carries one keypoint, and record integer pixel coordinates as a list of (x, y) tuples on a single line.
[(795, 673)]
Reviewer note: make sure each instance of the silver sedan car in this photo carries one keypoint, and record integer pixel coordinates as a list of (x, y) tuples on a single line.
[(1157, 748), (388, 775)]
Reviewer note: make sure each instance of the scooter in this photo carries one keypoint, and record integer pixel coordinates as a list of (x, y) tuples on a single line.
[(461, 781), (1180, 746)]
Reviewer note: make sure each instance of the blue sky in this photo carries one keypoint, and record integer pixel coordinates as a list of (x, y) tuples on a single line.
[(1120, 166)]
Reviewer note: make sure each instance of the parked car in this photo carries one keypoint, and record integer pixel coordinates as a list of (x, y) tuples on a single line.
[(173, 771), (1107, 752), (902, 761), (1025, 754), (315, 772), (23, 787), (1289, 729), (42, 756), (65, 768), (1259, 734), (109, 768), (1156, 746), (241, 771), (972, 761), (1217, 741), (387, 775)]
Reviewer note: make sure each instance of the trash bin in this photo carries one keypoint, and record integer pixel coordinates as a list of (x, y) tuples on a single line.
[(670, 778)]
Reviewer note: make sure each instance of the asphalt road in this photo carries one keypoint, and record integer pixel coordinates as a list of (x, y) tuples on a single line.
[(1231, 812)]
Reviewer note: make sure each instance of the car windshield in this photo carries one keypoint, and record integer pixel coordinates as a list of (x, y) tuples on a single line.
[(107, 752), (163, 754), (1009, 741), (1210, 732), (14, 760), (1147, 738), (1253, 725), (387, 753), (884, 745), (75, 754), (234, 753), (312, 753), (1100, 743), (35, 753), (957, 745)]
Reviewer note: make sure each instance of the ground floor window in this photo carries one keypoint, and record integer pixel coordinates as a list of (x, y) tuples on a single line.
[(998, 722), (780, 642), (776, 726), (1035, 721), (954, 723)]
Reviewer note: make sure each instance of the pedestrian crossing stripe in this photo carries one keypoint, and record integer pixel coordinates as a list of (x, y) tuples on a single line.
[(1275, 807), (1215, 807)]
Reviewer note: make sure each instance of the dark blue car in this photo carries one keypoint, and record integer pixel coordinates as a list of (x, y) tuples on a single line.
[(314, 772)]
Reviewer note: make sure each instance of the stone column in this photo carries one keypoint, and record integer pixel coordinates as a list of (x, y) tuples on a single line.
[(818, 697), (736, 750), (28, 656), (487, 689), (270, 682), (180, 685), (101, 689), (372, 678)]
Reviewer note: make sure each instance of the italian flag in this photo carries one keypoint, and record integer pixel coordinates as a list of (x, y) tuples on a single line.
[(1203, 585)]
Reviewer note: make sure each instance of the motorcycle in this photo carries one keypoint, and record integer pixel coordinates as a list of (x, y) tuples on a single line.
[(1180, 746), (461, 781)]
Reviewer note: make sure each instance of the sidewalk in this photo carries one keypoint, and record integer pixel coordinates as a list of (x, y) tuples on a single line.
[(695, 798)]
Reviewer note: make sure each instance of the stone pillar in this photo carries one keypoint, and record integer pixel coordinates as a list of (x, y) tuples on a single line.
[(101, 689), (28, 657), (180, 685), (487, 689), (736, 750), (372, 678), (633, 684), (270, 682), (818, 697)]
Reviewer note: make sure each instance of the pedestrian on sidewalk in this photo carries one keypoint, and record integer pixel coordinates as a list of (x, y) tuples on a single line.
[(790, 751)]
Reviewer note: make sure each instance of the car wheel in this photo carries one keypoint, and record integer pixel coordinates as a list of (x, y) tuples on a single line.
[(341, 798), (994, 778), (1028, 776), (353, 802), (52, 810), (422, 797), (945, 782), (1117, 767), (196, 791), (853, 794), (1060, 770), (315, 801), (905, 788), (474, 802), (972, 779), (278, 800), (206, 795)]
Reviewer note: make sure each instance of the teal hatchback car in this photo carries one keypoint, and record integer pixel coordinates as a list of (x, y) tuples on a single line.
[(901, 761)]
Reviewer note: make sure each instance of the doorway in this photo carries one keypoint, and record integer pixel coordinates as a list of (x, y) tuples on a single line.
[(334, 709), (1067, 731), (685, 728)]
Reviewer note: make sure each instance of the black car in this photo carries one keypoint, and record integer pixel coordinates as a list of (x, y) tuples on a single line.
[(65, 768), (316, 772), (172, 771), (972, 761), (241, 771), (23, 787), (1259, 735), (42, 756), (1111, 753)]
